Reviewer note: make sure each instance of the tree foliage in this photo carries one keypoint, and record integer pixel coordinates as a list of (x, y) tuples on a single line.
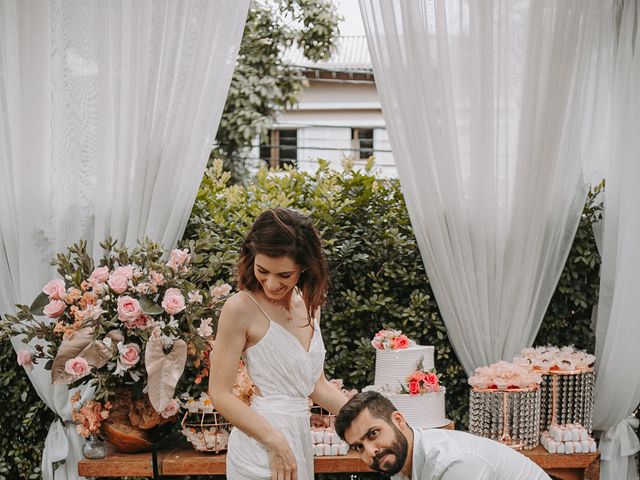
[(263, 83)]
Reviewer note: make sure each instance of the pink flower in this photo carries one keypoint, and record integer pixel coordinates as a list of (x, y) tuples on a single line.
[(221, 290), (78, 367), (170, 410), (98, 276), (400, 343), (195, 297), (118, 283), (414, 388), (173, 301), (129, 310), (156, 278), (54, 309), (125, 271), (129, 355), (431, 381), (205, 330), (25, 360), (178, 258), (55, 289), (144, 321)]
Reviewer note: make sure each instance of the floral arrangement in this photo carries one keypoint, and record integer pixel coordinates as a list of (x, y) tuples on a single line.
[(88, 416), (391, 340), (133, 319), (550, 359), (420, 382), (505, 376)]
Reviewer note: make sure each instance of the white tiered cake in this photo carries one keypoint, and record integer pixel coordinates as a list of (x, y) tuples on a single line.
[(393, 369)]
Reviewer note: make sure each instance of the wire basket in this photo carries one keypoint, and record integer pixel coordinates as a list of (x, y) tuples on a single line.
[(321, 417), (511, 417), (207, 432), (567, 397)]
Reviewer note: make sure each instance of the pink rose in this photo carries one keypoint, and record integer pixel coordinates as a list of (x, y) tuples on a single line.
[(129, 310), (171, 409), (25, 360), (55, 289), (118, 283), (98, 276), (431, 380), (54, 309), (221, 290), (178, 258), (400, 343), (125, 271), (173, 301), (414, 388), (78, 367), (144, 321), (129, 355)]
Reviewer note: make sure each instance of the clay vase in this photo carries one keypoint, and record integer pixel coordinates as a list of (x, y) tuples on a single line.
[(133, 424)]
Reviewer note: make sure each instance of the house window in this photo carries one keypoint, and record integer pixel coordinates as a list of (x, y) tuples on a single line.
[(281, 148), (362, 142)]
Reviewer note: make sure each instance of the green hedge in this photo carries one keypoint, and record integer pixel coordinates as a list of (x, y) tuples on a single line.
[(24, 420), (378, 279)]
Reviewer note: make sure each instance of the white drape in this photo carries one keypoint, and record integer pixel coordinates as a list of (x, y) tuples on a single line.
[(489, 107), (108, 111), (618, 325)]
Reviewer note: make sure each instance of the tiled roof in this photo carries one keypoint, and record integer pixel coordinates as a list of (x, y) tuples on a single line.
[(352, 53)]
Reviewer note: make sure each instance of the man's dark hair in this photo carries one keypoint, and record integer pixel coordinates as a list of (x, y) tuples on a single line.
[(378, 405)]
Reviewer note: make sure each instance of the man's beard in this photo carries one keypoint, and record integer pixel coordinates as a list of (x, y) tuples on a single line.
[(399, 450)]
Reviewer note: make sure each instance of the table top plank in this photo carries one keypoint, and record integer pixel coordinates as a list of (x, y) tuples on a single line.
[(184, 460)]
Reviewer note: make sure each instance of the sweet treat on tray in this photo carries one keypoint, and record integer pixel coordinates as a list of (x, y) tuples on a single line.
[(405, 374)]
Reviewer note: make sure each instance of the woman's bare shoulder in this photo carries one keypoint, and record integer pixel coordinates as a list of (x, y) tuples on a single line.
[(237, 308)]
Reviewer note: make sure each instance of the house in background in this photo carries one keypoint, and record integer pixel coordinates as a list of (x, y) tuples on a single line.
[(338, 115)]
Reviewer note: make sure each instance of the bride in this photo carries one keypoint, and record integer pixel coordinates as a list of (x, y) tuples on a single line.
[(272, 323)]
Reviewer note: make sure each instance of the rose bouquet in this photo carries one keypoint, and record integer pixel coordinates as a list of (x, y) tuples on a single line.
[(391, 340), (420, 382), (136, 319)]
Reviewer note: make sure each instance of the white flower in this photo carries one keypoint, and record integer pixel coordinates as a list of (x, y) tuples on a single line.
[(195, 297), (205, 330)]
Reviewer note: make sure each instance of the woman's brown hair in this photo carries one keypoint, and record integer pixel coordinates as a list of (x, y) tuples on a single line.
[(280, 232)]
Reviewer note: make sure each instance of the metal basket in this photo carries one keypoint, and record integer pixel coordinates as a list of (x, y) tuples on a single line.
[(207, 432), (567, 397), (321, 417), (511, 417)]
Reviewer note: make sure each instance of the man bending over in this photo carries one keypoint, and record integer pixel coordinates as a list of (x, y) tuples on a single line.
[(373, 427)]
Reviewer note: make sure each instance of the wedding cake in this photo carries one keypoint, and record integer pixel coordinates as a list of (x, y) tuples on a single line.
[(405, 374)]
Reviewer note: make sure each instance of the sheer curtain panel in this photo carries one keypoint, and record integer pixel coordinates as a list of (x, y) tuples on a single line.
[(489, 106), (108, 110), (618, 325)]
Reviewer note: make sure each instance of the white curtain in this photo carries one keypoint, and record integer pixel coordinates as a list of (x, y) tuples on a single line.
[(108, 111), (490, 111), (618, 325)]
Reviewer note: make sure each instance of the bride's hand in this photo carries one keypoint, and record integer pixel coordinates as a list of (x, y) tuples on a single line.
[(283, 462)]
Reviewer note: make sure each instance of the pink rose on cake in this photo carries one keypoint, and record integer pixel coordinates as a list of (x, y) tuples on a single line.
[(391, 340), (420, 382)]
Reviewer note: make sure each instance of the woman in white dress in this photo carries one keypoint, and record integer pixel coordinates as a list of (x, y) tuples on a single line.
[(272, 323)]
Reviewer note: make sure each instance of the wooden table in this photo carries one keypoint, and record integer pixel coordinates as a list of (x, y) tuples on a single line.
[(184, 460)]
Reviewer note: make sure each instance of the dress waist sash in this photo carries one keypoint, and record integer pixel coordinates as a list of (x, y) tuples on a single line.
[(281, 404)]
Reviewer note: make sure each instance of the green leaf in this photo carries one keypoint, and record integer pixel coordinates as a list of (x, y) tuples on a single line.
[(39, 303), (149, 307)]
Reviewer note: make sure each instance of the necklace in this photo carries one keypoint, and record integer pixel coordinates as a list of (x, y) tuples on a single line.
[(287, 311)]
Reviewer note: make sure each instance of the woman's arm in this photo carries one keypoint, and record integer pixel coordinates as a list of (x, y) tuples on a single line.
[(324, 393), (230, 341), (328, 396)]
